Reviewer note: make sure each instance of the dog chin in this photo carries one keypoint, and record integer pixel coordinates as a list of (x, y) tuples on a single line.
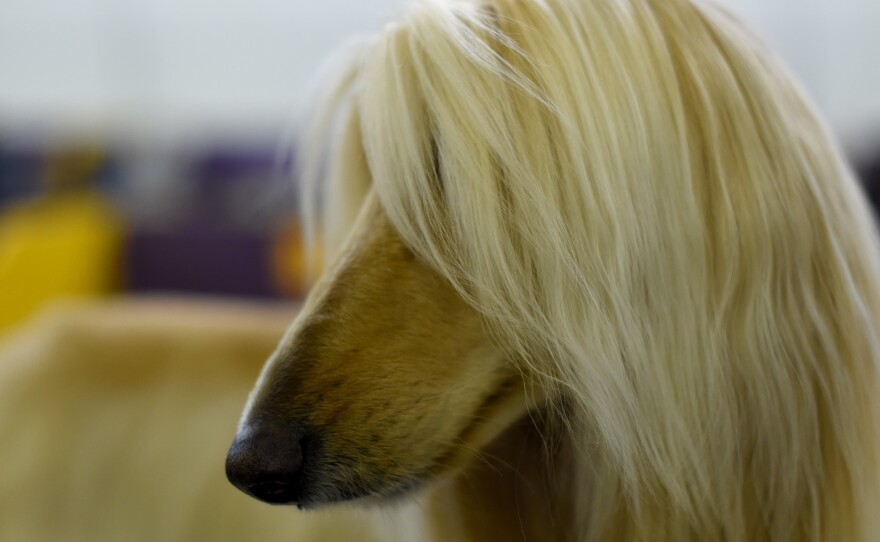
[(323, 496)]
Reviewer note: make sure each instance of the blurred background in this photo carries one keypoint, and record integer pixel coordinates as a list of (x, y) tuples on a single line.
[(139, 141)]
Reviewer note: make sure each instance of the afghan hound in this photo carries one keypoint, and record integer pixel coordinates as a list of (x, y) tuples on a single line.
[(596, 272)]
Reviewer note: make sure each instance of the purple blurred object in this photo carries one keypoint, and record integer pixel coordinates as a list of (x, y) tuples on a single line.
[(205, 260), (238, 186), (222, 244), (232, 164)]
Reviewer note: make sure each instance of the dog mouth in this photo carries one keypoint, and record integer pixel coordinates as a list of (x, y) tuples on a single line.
[(384, 488), (316, 481), (306, 473), (347, 492), (306, 496)]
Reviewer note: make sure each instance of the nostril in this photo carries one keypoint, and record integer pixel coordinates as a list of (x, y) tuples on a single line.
[(266, 463)]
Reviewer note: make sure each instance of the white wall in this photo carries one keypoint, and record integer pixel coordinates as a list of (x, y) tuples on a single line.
[(834, 47), (167, 66)]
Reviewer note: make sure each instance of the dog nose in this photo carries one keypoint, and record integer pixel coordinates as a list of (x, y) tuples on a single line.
[(265, 462)]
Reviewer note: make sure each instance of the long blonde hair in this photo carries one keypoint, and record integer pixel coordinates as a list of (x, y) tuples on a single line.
[(651, 216)]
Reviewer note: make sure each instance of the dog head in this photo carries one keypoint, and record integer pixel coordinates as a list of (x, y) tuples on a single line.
[(386, 380)]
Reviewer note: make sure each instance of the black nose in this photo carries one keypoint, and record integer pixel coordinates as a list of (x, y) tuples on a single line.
[(265, 462)]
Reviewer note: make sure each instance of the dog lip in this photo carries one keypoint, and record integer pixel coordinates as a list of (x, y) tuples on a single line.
[(273, 492), (312, 501), (313, 486), (299, 491)]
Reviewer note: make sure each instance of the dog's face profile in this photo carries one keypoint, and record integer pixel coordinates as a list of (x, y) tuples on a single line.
[(386, 380)]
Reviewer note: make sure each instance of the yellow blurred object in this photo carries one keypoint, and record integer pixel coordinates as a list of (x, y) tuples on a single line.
[(294, 270), (66, 244)]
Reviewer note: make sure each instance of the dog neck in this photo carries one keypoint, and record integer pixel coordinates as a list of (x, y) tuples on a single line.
[(510, 492)]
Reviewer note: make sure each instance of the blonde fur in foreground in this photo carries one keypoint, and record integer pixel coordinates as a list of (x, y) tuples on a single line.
[(115, 416)]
